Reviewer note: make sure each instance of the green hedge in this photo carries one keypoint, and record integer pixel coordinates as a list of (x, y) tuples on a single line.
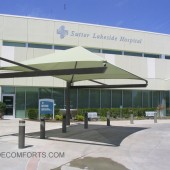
[(2, 109), (33, 114), (79, 117), (102, 118), (117, 113), (58, 117), (114, 113)]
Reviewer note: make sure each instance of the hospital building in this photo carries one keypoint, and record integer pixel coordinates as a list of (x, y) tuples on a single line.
[(145, 54)]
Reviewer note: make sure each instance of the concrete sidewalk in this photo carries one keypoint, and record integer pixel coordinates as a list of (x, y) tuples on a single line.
[(139, 146)]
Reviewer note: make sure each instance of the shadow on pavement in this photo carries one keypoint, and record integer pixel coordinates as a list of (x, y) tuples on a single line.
[(95, 134), (89, 163)]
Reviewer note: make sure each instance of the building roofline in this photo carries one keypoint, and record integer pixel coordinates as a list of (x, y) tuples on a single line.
[(98, 25)]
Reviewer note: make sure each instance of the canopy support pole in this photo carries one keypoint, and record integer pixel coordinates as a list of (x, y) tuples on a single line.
[(67, 101)]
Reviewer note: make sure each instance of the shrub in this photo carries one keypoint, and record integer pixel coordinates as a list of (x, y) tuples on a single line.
[(102, 118), (139, 113), (79, 117), (2, 109), (47, 116), (103, 112), (117, 112), (56, 111), (58, 117), (33, 114)]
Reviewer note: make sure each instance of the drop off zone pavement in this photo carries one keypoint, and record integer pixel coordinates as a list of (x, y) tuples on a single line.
[(144, 145)]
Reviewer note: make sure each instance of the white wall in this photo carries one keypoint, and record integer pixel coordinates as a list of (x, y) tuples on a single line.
[(33, 30)]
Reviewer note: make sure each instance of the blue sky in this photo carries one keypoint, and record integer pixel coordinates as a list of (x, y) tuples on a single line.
[(147, 15)]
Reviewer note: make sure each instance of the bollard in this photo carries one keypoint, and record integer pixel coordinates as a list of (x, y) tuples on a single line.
[(64, 123), (21, 136), (42, 128), (86, 120), (155, 117), (131, 118), (108, 118)]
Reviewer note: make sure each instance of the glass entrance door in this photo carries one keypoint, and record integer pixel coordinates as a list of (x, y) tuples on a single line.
[(10, 107)]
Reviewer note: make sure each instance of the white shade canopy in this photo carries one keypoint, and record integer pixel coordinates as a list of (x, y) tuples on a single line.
[(73, 59)]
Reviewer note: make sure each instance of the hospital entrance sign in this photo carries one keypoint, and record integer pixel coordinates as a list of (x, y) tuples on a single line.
[(46, 106)]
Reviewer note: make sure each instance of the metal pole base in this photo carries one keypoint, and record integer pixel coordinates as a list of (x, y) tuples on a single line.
[(155, 118), (108, 119), (131, 119), (21, 136), (108, 122), (64, 128), (85, 121), (42, 129)]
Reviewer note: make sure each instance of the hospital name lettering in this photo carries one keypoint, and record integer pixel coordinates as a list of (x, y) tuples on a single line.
[(106, 37)]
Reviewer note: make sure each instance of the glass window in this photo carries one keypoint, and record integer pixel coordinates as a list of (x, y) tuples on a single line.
[(150, 99), (94, 98), (58, 96), (167, 57), (165, 95), (162, 56), (156, 98), (145, 99), (20, 102), (127, 98), (137, 98), (45, 46), (112, 52), (73, 98), (133, 54), (164, 102), (56, 47), (31, 97), (105, 98), (93, 50), (116, 98), (152, 55), (45, 93), (83, 98), (14, 44), (8, 90), (167, 103)]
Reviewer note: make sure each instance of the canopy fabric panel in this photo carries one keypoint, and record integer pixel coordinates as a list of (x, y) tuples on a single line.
[(112, 72), (61, 60), (74, 58)]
